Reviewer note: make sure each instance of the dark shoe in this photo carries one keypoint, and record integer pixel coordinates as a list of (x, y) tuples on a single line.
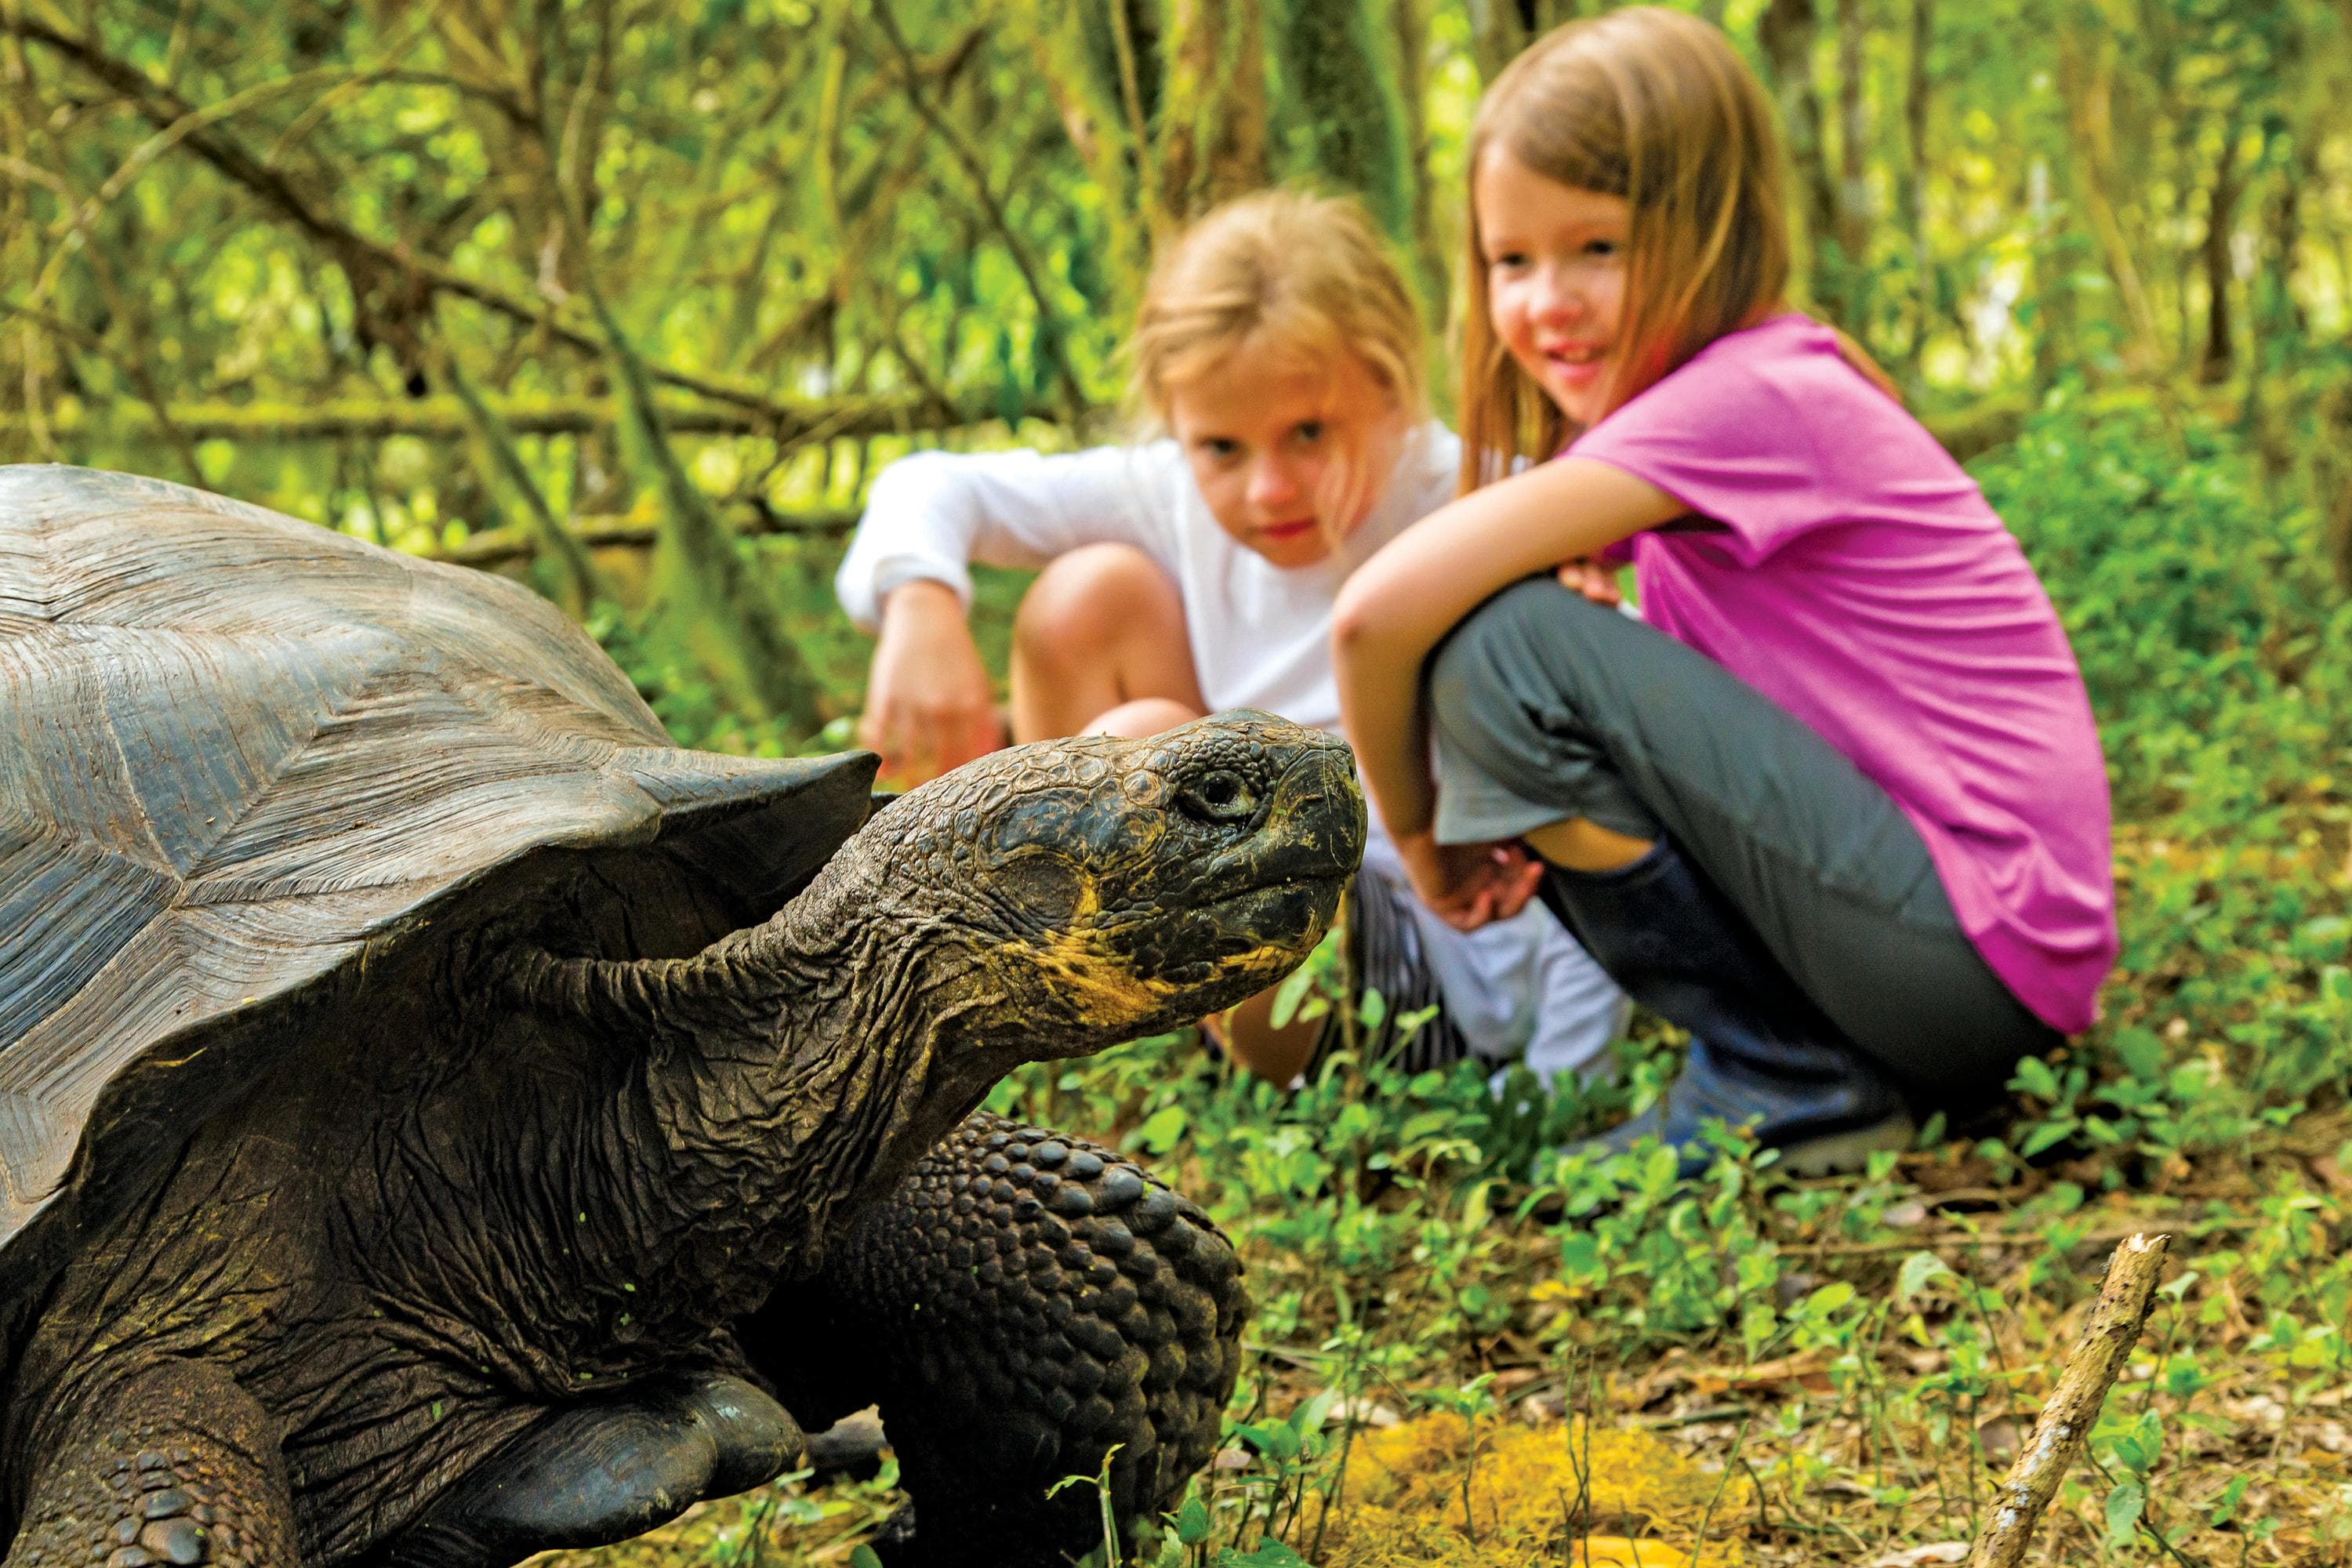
[(1762, 1055), (1819, 1129)]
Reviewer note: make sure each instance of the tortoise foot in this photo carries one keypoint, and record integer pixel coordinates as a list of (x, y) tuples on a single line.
[(589, 1475), (170, 1467)]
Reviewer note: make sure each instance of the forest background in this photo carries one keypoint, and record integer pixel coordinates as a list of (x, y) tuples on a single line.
[(632, 297)]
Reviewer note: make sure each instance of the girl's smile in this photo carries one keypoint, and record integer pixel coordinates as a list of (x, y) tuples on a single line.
[(1555, 280)]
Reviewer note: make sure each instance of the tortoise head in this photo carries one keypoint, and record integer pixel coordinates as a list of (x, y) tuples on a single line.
[(1045, 902), (1101, 888)]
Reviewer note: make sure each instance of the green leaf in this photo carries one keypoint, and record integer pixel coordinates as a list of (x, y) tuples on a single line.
[(2124, 1505), (2046, 1134), (2142, 1053), (1161, 1129), (2034, 1077), (1913, 1276), (1268, 1554), (1289, 994), (1192, 1521), (863, 1556)]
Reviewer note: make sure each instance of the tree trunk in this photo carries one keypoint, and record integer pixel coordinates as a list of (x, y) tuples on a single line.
[(2086, 76), (1853, 171), (1339, 72), (2220, 206), (1786, 32), (1498, 31), (1430, 250), (1915, 186), (1212, 136), (1084, 84), (721, 611)]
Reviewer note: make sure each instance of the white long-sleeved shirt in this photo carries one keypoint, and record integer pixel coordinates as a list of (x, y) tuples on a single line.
[(1261, 632), (1260, 637)]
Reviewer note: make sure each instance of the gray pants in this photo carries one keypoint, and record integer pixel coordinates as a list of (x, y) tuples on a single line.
[(1547, 706)]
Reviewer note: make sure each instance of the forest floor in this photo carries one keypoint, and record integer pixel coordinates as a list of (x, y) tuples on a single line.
[(1466, 1352)]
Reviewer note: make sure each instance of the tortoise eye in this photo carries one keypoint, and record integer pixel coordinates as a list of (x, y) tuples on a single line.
[(1222, 796)]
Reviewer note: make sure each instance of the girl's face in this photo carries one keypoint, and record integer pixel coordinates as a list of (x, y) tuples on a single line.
[(1290, 459), (1555, 260)]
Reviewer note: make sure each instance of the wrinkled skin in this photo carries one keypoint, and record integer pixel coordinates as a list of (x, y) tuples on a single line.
[(467, 1279)]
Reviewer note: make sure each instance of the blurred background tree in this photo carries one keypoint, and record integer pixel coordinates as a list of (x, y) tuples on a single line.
[(602, 289)]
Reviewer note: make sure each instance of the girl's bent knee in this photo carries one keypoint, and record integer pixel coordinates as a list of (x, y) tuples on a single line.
[(1095, 595), (1479, 679)]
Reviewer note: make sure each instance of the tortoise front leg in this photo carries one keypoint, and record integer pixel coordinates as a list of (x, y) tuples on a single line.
[(600, 1472), (1023, 1301), (170, 1464)]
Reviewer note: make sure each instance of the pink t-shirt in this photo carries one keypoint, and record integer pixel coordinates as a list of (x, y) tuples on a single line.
[(1856, 577)]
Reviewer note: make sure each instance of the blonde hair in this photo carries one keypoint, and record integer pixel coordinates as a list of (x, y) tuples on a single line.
[(1306, 271), (1653, 106), (1305, 275)]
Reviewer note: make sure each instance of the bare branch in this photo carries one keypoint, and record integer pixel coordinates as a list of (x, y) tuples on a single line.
[(503, 546), (1049, 332), (2066, 1417), (445, 419), (355, 251)]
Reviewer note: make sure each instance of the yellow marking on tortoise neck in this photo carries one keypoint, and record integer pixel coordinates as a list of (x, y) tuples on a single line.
[(1103, 988)]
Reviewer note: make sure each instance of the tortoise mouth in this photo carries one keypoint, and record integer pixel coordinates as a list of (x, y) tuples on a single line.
[(1271, 923)]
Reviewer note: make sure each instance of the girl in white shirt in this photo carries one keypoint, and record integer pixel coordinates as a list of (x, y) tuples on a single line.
[(1281, 352)]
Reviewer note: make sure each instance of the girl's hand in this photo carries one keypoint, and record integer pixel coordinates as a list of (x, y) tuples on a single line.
[(928, 705), (1591, 579), (1469, 885)]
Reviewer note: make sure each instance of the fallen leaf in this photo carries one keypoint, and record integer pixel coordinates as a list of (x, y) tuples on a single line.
[(1618, 1552), (1920, 1556), (1808, 1369), (1365, 1412), (2002, 1437)]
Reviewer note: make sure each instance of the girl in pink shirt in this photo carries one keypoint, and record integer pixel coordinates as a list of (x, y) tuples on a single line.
[(1838, 808)]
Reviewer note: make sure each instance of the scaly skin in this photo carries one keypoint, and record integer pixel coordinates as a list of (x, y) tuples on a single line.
[(510, 1194), (1023, 1304)]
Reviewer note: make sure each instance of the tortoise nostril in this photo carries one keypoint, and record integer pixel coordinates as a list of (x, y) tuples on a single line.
[(1219, 797)]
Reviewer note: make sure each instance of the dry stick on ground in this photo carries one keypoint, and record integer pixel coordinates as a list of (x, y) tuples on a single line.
[(2066, 1418)]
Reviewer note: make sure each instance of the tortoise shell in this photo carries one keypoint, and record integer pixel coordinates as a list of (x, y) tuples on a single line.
[(246, 762)]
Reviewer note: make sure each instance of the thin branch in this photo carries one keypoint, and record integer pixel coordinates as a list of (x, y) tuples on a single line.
[(504, 468), (1049, 333), (144, 384), (2073, 1406), (501, 546), (791, 424), (164, 109)]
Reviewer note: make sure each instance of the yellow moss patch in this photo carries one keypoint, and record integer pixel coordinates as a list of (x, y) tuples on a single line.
[(1643, 1503)]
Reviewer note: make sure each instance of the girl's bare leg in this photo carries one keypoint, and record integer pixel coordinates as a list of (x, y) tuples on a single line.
[(1101, 630), (1582, 846), (1099, 647)]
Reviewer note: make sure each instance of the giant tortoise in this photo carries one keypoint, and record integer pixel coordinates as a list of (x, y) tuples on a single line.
[(441, 1119)]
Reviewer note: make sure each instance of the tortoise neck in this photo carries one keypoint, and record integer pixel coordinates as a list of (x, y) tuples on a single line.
[(775, 1084)]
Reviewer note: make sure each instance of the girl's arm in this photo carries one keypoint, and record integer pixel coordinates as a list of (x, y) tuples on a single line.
[(1400, 603), (930, 515), (928, 704)]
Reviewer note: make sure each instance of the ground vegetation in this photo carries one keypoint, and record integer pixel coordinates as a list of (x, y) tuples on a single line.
[(632, 297)]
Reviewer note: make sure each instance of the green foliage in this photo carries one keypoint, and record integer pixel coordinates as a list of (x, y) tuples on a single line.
[(788, 214)]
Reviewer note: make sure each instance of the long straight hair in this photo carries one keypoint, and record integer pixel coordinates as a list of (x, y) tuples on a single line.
[(1653, 106)]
